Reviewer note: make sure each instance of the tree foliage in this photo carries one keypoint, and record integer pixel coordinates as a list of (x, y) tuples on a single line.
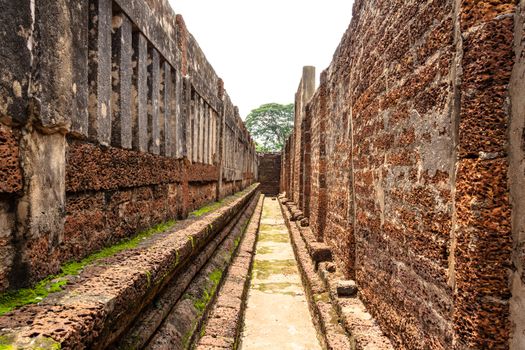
[(270, 125)]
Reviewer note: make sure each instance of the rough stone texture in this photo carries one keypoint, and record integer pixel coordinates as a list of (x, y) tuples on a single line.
[(409, 134), (101, 148), (7, 251), (10, 167), (326, 321), (15, 65), (183, 323), (40, 208), (55, 65), (225, 319), (517, 184), (269, 173), (346, 288), (94, 168), (484, 240), (276, 281), (97, 307)]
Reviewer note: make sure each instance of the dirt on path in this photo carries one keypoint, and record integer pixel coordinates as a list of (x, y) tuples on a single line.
[(277, 315)]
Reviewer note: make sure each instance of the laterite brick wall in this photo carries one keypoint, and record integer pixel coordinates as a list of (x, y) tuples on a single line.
[(269, 173), (112, 121), (416, 169)]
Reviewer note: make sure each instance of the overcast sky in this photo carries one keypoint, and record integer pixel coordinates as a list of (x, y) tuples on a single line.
[(258, 47)]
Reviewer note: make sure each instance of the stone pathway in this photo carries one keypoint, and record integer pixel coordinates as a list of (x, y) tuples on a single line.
[(277, 315)]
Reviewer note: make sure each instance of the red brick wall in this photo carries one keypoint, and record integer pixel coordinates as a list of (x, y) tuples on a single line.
[(126, 128), (269, 173), (409, 184), (318, 195)]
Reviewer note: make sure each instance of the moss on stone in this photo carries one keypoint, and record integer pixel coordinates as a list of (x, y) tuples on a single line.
[(9, 342), (276, 288), (237, 241), (264, 250), (192, 241), (206, 209), (6, 343), (324, 297), (265, 268), (14, 299), (273, 237)]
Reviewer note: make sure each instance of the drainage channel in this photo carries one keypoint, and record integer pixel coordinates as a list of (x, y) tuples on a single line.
[(244, 291), (277, 314)]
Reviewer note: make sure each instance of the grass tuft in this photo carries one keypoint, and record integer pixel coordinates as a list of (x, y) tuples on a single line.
[(14, 299), (206, 209)]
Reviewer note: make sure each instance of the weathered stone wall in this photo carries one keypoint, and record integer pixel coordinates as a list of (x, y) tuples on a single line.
[(269, 173), (410, 178), (112, 121)]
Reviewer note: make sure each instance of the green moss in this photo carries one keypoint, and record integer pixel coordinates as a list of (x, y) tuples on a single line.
[(277, 288), (200, 304), (148, 277), (13, 299), (237, 241), (324, 297), (38, 343), (264, 250), (192, 241), (273, 237), (214, 277), (264, 268), (206, 209), (6, 343)]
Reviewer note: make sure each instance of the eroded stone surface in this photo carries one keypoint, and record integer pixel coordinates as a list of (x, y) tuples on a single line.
[(277, 315)]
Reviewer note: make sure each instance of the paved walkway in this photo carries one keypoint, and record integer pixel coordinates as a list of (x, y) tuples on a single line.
[(277, 315)]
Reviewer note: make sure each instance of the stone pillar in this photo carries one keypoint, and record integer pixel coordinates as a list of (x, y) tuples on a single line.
[(122, 73), (139, 111), (100, 13), (482, 241), (517, 183), (153, 101)]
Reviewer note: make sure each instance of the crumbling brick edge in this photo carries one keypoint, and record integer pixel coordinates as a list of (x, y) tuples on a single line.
[(106, 298), (177, 315), (223, 327), (336, 329)]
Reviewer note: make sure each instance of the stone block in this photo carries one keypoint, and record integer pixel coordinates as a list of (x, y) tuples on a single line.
[(346, 288)]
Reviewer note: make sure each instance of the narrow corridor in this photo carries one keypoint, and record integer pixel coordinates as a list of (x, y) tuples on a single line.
[(277, 315)]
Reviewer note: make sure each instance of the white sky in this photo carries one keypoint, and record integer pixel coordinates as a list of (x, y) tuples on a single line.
[(258, 47)]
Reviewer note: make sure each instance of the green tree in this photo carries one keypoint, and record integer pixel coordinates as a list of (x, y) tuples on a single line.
[(270, 125)]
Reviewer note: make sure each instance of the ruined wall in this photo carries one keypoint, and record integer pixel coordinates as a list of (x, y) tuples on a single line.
[(269, 173), (112, 121), (410, 169)]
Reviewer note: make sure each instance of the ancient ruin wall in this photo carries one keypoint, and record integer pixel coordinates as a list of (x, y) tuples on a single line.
[(112, 121), (410, 169), (269, 173)]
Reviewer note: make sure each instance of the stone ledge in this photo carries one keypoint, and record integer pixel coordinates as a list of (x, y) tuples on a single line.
[(180, 329), (330, 332), (97, 307), (225, 320), (319, 251), (350, 312), (353, 314)]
